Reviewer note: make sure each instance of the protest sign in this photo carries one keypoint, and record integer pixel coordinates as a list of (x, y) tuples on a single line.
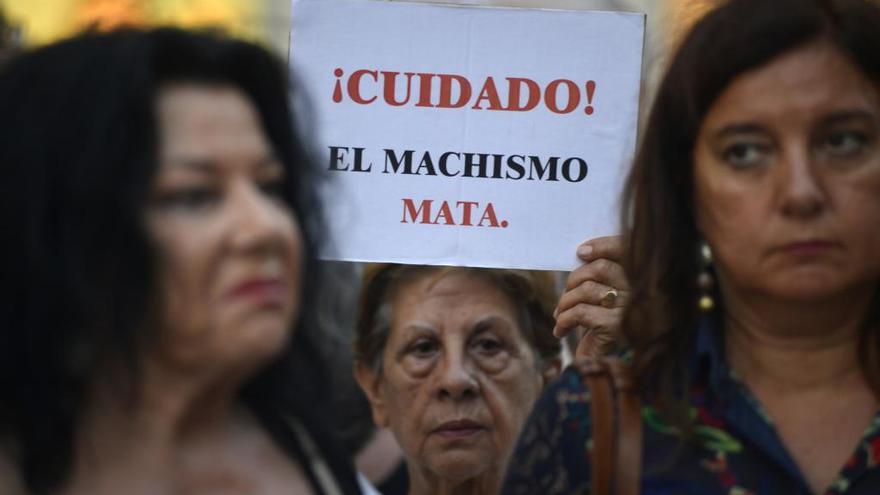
[(494, 137)]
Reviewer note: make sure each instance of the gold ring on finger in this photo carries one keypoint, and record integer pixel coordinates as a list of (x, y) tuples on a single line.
[(609, 298)]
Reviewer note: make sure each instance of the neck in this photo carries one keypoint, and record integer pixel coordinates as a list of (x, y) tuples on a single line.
[(145, 435), (421, 483), (794, 345), (171, 404)]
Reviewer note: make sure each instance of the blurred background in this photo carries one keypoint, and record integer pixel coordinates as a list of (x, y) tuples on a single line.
[(267, 21)]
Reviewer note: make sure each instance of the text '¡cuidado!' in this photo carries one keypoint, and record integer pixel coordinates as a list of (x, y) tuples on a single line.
[(429, 90), (462, 164)]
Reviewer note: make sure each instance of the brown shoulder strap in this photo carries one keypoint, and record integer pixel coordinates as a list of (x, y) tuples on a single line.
[(602, 416), (617, 427), (629, 430)]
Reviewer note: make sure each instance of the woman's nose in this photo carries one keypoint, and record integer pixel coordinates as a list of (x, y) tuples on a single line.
[(801, 189), (456, 380), (257, 220)]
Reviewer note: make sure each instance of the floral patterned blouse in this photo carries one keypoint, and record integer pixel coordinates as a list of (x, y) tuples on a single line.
[(737, 449)]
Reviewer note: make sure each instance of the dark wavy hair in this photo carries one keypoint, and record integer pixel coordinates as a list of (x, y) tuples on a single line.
[(78, 152), (662, 255)]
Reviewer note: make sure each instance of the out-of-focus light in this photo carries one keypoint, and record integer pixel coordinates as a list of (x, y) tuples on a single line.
[(108, 14), (683, 14), (237, 16), (40, 22), (44, 21)]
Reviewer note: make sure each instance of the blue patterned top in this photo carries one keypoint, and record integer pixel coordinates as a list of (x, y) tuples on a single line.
[(737, 449)]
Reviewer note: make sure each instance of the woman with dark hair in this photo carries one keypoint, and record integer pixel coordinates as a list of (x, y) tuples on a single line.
[(752, 226), (161, 225)]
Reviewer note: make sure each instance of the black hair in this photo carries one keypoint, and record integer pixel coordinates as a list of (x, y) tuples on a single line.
[(78, 148), (661, 261)]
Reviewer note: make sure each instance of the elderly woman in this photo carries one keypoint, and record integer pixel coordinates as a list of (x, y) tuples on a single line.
[(753, 252), (452, 360), (159, 224)]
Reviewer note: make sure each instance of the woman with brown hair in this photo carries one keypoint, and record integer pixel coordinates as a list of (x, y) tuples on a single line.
[(752, 221)]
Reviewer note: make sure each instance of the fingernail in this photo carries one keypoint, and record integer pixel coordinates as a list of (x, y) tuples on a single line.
[(555, 313), (556, 332), (584, 250)]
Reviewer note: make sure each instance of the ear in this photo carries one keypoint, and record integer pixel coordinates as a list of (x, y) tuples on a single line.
[(370, 384), (551, 370)]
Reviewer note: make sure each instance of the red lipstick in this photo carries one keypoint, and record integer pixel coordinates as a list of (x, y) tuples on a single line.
[(263, 291)]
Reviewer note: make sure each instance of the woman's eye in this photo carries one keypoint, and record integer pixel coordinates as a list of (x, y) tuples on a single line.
[(273, 188), (843, 144), (488, 346), (191, 198), (744, 155), (423, 348)]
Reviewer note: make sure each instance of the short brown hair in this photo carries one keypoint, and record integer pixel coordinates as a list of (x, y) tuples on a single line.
[(532, 291)]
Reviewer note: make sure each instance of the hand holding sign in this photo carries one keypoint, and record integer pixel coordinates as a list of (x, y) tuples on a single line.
[(594, 298)]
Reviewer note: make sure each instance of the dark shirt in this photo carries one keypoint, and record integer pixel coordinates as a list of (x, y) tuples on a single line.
[(397, 483), (736, 449)]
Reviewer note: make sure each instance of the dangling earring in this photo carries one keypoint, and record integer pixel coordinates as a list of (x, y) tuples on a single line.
[(705, 281)]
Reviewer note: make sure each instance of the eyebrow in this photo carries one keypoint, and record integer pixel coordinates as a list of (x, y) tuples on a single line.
[(208, 166), (486, 323), (481, 325), (839, 117), (845, 116), (418, 327), (736, 129)]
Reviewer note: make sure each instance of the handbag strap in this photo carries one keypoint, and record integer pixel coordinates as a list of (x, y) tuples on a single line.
[(617, 426)]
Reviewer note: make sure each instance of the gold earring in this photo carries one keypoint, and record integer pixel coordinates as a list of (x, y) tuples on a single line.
[(705, 281)]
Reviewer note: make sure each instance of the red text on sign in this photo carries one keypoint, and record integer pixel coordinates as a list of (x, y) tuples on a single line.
[(461, 213), (429, 90)]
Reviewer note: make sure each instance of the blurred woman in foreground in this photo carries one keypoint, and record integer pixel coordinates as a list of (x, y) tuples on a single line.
[(452, 360), (753, 256), (160, 225)]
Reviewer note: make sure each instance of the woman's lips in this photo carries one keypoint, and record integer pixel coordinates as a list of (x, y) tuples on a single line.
[(809, 248), (261, 291), (462, 428)]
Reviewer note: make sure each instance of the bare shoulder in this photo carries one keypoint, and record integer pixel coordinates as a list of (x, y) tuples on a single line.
[(247, 461), (10, 480)]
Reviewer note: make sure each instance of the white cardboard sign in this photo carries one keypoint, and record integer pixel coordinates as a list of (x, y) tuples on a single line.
[(473, 136)]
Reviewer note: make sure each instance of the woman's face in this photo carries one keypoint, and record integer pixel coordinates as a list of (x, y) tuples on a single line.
[(230, 249), (787, 178), (458, 378)]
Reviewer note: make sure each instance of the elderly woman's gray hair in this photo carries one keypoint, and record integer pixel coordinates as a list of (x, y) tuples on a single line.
[(533, 292)]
